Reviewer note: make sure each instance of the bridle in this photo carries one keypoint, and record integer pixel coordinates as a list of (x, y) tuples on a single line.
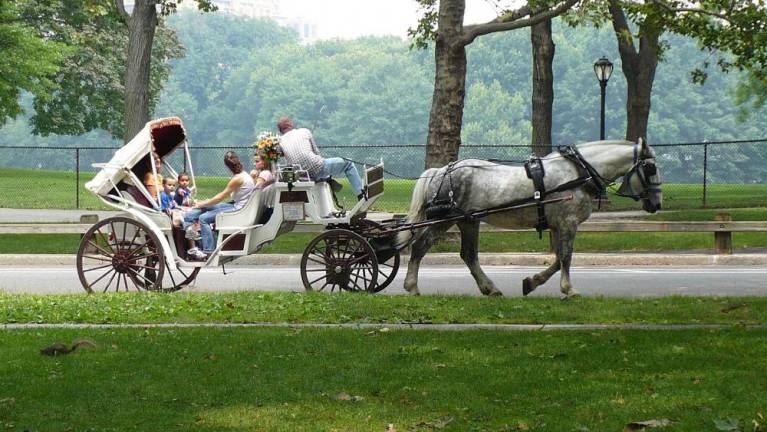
[(644, 168)]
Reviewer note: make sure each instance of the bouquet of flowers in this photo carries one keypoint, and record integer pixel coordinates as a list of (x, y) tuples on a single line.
[(268, 145)]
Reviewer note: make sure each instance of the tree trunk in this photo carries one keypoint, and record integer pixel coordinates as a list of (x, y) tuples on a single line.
[(639, 70), (445, 120), (141, 28), (639, 82), (543, 86)]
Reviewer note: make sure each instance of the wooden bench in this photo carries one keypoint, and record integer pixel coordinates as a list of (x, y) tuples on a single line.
[(722, 229)]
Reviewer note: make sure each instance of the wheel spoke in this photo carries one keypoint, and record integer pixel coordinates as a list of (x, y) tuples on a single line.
[(321, 277), (97, 258), (98, 268), (110, 282), (101, 277), (136, 258), (103, 252), (322, 263), (135, 273), (109, 243), (114, 233)]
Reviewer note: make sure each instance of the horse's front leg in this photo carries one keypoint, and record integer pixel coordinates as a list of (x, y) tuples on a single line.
[(418, 249), (565, 255), (469, 254), (529, 284)]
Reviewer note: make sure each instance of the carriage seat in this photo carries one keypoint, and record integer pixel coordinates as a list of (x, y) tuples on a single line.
[(254, 209)]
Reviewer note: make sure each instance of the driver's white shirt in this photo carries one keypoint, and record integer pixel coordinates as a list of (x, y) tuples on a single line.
[(299, 149)]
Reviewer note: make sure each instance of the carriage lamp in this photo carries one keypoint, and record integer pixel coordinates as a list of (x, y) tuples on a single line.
[(603, 69)]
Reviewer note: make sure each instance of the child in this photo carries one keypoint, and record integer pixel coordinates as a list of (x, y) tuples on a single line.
[(183, 193), (166, 196)]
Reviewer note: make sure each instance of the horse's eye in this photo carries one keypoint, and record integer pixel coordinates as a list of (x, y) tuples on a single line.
[(650, 169)]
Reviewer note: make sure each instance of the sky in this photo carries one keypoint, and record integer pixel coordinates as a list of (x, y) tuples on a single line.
[(354, 18)]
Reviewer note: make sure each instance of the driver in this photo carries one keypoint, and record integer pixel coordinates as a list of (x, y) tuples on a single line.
[(299, 148)]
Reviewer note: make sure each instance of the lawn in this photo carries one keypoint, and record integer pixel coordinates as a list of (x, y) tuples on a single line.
[(250, 307), (238, 379), (57, 189)]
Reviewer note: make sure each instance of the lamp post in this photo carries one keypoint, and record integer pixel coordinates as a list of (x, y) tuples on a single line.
[(603, 68)]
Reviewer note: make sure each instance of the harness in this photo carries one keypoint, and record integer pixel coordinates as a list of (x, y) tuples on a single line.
[(442, 205), (535, 172)]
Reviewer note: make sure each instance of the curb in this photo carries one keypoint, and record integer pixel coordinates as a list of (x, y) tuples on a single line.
[(454, 259)]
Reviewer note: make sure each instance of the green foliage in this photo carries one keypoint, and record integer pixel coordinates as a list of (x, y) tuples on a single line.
[(91, 93), (28, 60)]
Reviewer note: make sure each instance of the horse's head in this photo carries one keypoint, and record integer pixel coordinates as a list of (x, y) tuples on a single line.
[(642, 181)]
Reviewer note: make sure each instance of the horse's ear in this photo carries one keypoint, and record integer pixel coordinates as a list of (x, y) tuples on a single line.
[(645, 147)]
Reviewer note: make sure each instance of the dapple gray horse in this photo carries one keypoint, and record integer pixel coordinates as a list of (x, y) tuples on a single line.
[(478, 185)]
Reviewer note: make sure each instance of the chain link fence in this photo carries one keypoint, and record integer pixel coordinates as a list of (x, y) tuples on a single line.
[(695, 175)]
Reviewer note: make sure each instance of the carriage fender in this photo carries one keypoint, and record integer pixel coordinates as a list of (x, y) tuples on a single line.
[(152, 226)]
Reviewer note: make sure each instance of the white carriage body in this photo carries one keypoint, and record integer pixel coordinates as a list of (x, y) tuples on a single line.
[(239, 233)]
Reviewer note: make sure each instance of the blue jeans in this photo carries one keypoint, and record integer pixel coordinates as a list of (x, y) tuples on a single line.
[(334, 167), (206, 216)]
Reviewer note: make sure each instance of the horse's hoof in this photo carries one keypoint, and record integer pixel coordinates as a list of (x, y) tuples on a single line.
[(495, 293), (570, 295), (527, 286)]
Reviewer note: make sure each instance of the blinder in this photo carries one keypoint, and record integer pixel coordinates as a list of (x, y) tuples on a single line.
[(644, 169)]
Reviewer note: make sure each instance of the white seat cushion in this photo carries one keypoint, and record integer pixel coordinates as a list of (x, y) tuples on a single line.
[(249, 213)]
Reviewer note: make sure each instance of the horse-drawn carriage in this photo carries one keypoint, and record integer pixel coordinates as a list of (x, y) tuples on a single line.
[(141, 249)]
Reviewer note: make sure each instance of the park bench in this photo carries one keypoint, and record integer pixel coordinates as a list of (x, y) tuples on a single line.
[(722, 229)]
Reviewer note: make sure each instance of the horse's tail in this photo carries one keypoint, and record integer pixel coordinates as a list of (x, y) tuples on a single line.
[(417, 211)]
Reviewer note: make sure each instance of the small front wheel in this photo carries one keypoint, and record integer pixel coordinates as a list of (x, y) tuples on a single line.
[(340, 259)]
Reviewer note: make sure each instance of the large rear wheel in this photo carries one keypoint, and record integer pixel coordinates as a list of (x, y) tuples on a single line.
[(120, 254)]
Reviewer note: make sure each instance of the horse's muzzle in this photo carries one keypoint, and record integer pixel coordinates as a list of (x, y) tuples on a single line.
[(650, 207)]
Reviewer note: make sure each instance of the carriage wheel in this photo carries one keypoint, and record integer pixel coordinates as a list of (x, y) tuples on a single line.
[(339, 259), (120, 254), (387, 271)]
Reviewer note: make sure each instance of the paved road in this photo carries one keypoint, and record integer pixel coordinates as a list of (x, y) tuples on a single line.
[(631, 281)]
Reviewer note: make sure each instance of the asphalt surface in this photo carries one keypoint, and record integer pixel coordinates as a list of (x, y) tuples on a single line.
[(611, 281)]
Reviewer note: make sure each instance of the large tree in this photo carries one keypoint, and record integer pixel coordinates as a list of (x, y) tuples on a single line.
[(734, 30), (543, 48), (451, 38), (142, 23)]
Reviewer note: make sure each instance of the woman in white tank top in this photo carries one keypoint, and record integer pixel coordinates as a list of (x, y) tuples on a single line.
[(240, 187)]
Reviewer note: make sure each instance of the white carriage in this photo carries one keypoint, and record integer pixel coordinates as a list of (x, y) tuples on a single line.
[(141, 249)]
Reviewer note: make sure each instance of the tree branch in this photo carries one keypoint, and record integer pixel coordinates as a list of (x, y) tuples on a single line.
[(513, 20), (121, 8), (622, 31), (665, 6)]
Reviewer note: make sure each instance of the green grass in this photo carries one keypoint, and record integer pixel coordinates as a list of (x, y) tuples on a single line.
[(242, 307), (289, 380), (56, 189)]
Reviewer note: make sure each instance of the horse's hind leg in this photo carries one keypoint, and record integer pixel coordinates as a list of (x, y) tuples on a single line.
[(529, 284), (469, 243), (424, 241)]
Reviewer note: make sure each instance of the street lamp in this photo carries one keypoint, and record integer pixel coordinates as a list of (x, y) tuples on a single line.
[(603, 68)]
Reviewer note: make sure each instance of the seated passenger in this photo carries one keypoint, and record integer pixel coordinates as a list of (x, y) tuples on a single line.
[(183, 195), (240, 187), (167, 201), (153, 185), (261, 175)]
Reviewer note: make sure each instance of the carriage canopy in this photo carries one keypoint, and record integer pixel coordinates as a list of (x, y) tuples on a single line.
[(162, 136)]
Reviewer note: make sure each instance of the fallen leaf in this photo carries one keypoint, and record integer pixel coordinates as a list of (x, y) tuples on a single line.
[(733, 307), (523, 426), (343, 396), (728, 424), (390, 428), (436, 424), (647, 424), (199, 419)]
